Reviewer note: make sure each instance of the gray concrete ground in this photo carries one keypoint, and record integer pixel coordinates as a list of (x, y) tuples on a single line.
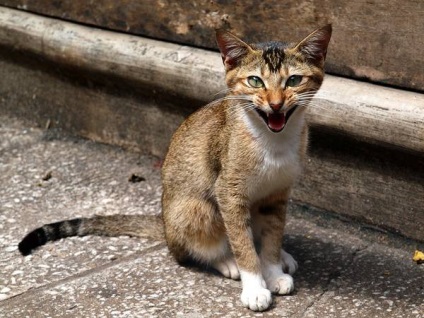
[(345, 270)]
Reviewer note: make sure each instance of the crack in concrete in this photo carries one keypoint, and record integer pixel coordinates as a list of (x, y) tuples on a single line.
[(36, 290), (320, 295), (333, 277)]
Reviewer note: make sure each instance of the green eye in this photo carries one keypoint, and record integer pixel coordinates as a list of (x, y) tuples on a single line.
[(255, 82), (294, 80)]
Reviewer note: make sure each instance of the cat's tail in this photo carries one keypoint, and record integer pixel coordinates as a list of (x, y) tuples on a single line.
[(147, 226)]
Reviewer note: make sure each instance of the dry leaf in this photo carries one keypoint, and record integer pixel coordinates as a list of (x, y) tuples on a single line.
[(418, 257)]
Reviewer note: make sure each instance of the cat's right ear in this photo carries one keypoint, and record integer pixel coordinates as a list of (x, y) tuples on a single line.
[(314, 46), (232, 48)]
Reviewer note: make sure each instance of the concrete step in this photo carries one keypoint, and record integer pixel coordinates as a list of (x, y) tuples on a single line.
[(366, 157), (345, 270)]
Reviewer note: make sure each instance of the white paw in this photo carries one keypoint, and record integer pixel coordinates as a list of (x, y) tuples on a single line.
[(281, 285), (254, 295), (289, 263), (228, 268), (258, 299), (276, 281)]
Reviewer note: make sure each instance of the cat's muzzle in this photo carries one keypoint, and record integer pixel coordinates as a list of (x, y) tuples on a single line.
[(276, 121)]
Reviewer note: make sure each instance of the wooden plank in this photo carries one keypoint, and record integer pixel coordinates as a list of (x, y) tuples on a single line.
[(366, 182), (373, 113), (95, 106), (379, 41), (377, 186), (129, 91), (376, 114)]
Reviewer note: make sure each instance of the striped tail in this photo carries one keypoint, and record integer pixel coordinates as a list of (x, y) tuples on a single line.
[(114, 225)]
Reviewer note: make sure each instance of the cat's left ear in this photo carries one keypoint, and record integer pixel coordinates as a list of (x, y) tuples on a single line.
[(314, 46), (232, 48)]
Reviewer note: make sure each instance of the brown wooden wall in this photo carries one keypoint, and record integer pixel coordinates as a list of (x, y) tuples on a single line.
[(380, 41)]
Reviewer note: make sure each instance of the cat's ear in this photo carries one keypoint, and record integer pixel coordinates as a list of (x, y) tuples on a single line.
[(232, 48), (314, 46)]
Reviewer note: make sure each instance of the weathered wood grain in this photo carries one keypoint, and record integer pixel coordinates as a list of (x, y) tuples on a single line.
[(129, 91), (378, 187), (373, 113), (380, 41), (366, 182)]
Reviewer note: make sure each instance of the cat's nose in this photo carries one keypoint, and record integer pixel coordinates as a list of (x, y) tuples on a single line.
[(276, 107)]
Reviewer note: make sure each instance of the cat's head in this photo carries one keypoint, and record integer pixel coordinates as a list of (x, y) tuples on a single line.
[(274, 78)]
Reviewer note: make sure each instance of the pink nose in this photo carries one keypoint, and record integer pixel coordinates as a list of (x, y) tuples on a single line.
[(276, 107)]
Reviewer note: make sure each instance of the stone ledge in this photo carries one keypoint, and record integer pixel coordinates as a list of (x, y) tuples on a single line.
[(367, 141), (343, 271), (374, 113)]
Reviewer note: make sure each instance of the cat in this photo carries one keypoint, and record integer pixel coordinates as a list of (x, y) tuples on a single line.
[(229, 170)]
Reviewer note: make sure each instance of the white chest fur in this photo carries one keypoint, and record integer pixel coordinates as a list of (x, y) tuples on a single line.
[(273, 176), (280, 163)]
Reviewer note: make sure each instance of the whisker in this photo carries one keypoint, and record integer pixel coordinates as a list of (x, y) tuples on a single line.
[(235, 108), (229, 97), (241, 105), (307, 99), (313, 92), (225, 90), (308, 92), (305, 95), (245, 97), (236, 98)]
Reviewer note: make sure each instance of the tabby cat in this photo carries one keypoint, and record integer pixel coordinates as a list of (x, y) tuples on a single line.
[(229, 169)]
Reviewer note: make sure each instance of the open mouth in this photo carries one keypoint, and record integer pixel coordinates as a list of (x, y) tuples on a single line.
[(276, 121)]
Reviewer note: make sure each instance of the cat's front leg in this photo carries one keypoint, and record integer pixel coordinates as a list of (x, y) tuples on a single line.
[(255, 294), (236, 216), (272, 219)]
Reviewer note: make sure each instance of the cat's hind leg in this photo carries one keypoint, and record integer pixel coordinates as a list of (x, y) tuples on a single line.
[(227, 267), (276, 280), (195, 232), (289, 263)]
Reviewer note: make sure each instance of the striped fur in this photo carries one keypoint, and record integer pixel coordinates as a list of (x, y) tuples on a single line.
[(114, 225), (229, 170)]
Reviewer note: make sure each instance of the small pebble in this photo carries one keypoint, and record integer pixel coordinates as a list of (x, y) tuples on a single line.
[(11, 248), (18, 272), (5, 290)]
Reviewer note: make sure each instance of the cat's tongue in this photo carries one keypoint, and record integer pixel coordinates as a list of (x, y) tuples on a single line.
[(276, 121)]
